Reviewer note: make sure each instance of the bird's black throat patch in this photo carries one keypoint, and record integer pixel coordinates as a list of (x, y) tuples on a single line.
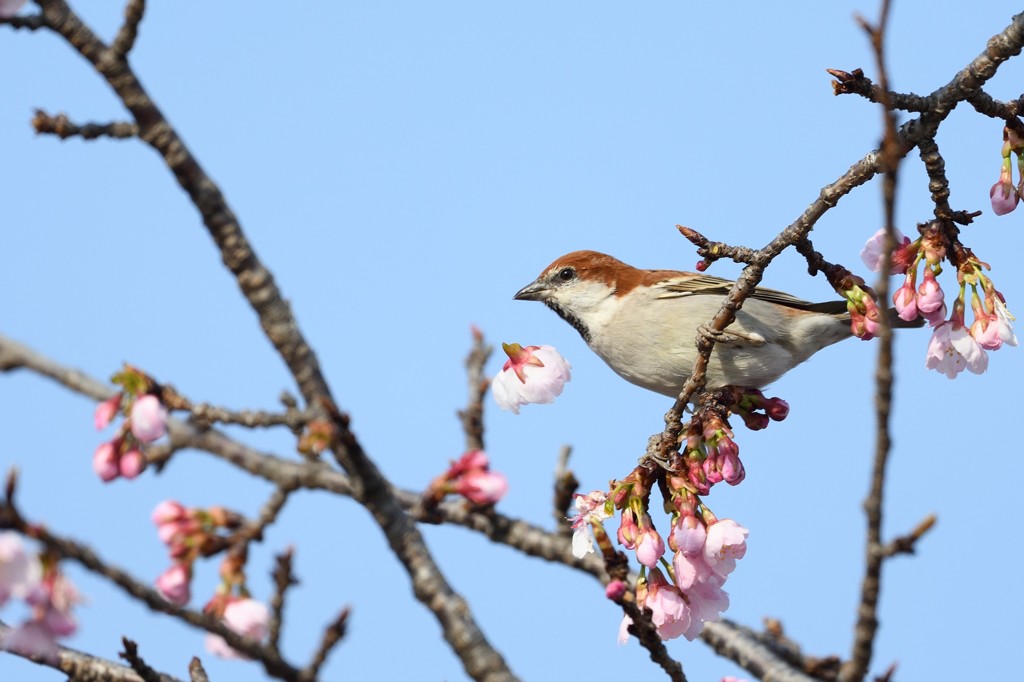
[(569, 317)]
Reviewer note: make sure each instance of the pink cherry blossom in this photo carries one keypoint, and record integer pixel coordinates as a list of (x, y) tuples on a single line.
[(727, 542), (628, 530), (589, 509), (624, 630), (1003, 194), (19, 571), (777, 409), (874, 247), (707, 602), (168, 511), (149, 418), (905, 300), (535, 374), (173, 584), (649, 547), (473, 459), (132, 463), (248, 618), (104, 461), (1004, 319), (975, 358), (615, 590), (930, 296), (690, 534), (32, 639), (105, 412), (8, 8), (669, 611), (690, 570), (985, 331), (482, 487)]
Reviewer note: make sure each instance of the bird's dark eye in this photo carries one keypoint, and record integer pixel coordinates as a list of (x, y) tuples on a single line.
[(565, 274)]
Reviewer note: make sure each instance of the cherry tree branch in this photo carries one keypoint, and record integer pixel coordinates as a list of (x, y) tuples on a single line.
[(61, 126), (529, 539), (84, 667), (479, 658)]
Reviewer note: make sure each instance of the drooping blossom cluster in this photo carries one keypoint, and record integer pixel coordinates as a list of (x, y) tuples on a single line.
[(704, 552), (233, 604), (189, 533), (534, 374), (147, 421), (471, 477), (954, 345), (1004, 194), (38, 581)]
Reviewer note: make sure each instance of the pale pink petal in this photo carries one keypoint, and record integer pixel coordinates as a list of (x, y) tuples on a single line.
[(149, 418)]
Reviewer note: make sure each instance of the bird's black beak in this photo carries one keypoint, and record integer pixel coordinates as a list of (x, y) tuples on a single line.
[(534, 291)]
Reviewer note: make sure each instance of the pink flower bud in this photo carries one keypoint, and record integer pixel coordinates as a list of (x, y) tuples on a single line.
[(615, 590), (755, 421), (777, 409), (168, 511), (482, 487), (929, 295), (690, 534), (105, 412), (104, 461), (649, 547), (248, 618), (1003, 194), (173, 584), (628, 531), (132, 463), (905, 300), (732, 468), (149, 418)]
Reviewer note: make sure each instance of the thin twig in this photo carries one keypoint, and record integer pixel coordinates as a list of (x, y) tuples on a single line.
[(472, 417), (61, 126), (566, 485), (866, 628), (284, 578), (125, 39), (196, 671), (131, 654), (333, 634)]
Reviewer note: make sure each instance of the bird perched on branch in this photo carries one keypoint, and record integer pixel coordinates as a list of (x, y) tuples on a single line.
[(644, 323)]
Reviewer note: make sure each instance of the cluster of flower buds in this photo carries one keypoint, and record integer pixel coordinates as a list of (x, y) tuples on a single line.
[(756, 410), (865, 316), (471, 477), (188, 534), (38, 582), (147, 421), (534, 374), (233, 604), (954, 345), (704, 550), (1004, 194)]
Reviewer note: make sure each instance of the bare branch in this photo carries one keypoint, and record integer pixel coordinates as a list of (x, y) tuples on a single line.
[(907, 544), (125, 39), (283, 579), (61, 126), (131, 654), (472, 417), (565, 486), (31, 22), (332, 635), (83, 667)]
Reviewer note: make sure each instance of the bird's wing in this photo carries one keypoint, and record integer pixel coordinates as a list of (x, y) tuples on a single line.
[(693, 285)]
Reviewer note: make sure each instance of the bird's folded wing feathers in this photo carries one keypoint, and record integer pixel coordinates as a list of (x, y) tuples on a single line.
[(692, 285)]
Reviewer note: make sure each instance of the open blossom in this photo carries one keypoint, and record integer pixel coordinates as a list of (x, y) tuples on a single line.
[(589, 509), (874, 248), (952, 349), (534, 374), (19, 571), (248, 618), (726, 542), (669, 611), (149, 418), (1004, 319)]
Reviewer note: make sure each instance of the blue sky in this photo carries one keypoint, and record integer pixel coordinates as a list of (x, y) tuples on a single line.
[(404, 168)]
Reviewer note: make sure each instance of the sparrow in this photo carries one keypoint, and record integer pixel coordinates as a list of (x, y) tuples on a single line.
[(644, 323)]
